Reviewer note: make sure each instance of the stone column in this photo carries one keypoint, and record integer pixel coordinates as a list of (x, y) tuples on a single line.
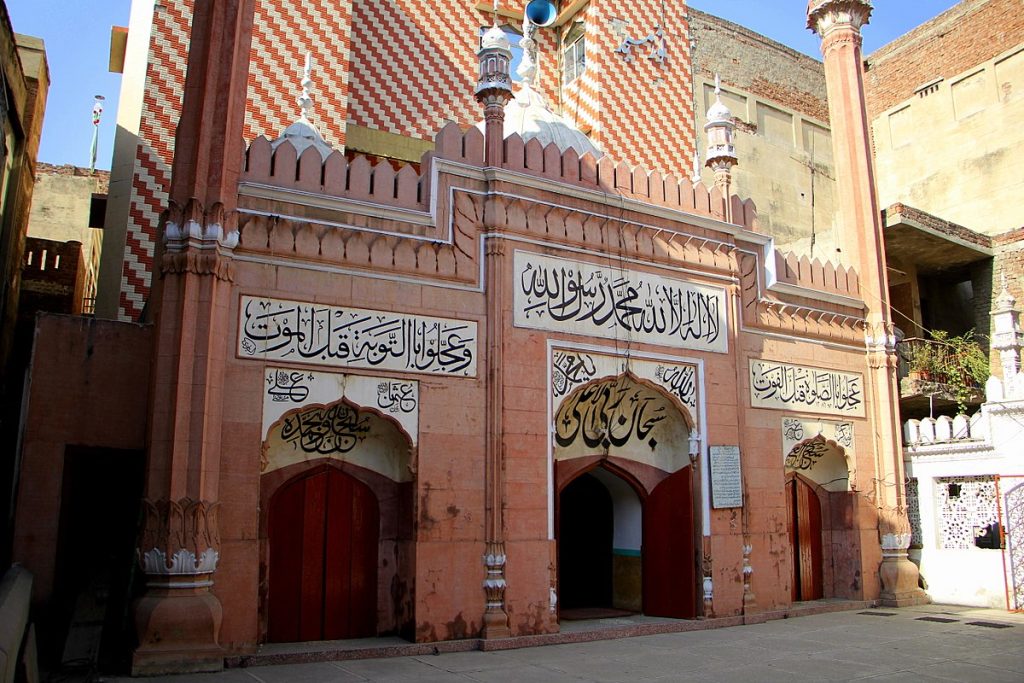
[(493, 91), (178, 619), (839, 23)]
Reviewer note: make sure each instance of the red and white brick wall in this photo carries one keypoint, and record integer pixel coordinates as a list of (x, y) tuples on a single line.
[(405, 67), (639, 112)]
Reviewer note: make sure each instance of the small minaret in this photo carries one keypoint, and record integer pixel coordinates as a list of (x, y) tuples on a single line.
[(1006, 338), (721, 150), (494, 89)]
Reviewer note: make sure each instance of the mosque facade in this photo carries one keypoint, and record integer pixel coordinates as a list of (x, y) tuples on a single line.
[(539, 372)]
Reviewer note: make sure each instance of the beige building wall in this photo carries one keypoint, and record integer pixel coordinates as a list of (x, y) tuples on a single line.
[(777, 98), (954, 148), (785, 166), (61, 203)]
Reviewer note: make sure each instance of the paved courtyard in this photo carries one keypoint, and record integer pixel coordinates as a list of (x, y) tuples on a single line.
[(932, 643)]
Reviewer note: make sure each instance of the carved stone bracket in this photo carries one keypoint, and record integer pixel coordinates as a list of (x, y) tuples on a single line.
[(198, 241), (179, 538)]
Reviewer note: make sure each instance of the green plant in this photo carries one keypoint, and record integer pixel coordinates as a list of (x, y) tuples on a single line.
[(962, 363)]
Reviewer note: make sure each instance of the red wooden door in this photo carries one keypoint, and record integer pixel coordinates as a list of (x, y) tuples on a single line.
[(323, 534), (804, 512), (670, 587)]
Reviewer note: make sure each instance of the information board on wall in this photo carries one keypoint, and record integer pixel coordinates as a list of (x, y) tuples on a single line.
[(726, 480)]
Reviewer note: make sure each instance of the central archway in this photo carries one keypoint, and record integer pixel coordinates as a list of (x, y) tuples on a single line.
[(625, 505)]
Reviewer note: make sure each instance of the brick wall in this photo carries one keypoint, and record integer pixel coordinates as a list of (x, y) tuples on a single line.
[(758, 65), (970, 33)]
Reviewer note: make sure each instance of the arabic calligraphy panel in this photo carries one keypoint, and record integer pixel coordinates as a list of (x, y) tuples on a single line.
[(274, 329), (285, 389), (625, 418), (814, 390), (570, 369), (559, 295)]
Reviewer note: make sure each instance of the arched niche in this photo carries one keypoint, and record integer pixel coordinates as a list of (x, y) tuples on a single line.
[(623, 418), (340, 431), (821, 461)]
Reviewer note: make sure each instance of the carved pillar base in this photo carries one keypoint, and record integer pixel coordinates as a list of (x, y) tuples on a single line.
[(177, 626), (178, 620), (898, 575), (900, 581), (495, 618)]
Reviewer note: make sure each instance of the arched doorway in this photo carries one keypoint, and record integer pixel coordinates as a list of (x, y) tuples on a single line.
[(585, 535), (324, 525), (338, 544), (803, 510), (625, 504)]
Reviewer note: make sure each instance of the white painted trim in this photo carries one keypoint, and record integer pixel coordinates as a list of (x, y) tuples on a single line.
[(318, 200)]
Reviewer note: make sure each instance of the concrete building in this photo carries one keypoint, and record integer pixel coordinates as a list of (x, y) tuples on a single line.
[(68, 207)]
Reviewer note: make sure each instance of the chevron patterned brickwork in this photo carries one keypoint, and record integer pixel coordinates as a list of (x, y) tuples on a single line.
[(407, 67), (640, 111), (161, 106)]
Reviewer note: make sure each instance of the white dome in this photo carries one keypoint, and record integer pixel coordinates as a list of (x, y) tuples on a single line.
[(303, 134), (719, 113), (495, 38), (529, 115)]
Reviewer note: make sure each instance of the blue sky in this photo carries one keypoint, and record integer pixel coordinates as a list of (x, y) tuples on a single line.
[(77, 35)]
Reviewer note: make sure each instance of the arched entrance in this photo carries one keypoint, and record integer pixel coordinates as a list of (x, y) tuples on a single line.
[(336, 525), (585, 533), (625, 505), (805, 528), (818, 477), (323, 559)]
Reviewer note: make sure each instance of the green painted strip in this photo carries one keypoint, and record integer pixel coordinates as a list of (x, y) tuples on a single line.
[(625, 552)]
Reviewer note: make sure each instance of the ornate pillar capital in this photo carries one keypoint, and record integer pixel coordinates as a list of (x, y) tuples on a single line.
[(826, 16), (180, 538)]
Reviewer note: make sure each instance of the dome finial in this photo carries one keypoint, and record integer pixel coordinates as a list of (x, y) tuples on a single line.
[(527, 68), (305, 100)]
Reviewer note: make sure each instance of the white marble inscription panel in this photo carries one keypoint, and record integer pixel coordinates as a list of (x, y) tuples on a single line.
[(813, 390), (559, 295), (273, 329)]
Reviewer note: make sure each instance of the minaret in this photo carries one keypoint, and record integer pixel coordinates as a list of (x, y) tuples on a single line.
[(861, 245), (721, 150), (494, 90)]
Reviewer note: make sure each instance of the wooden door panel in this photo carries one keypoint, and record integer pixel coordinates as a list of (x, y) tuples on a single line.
[(324, 530), (285, 573), (313, 518), (337, 559), (805, 529), (669, 582)]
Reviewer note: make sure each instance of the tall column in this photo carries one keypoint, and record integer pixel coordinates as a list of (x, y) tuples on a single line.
[(178, 619), (493, 91), (861, 245)]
